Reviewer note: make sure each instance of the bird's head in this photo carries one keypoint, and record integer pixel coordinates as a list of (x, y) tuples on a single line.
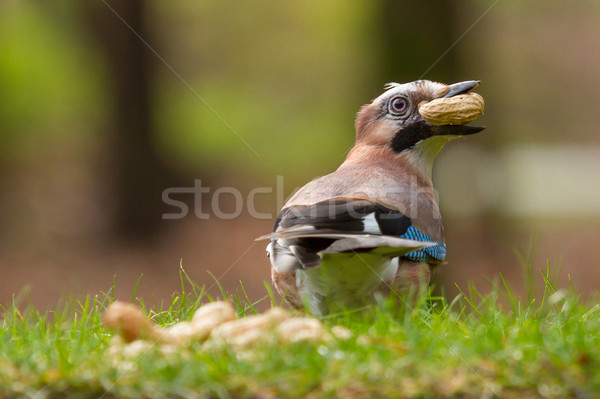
[(393, 120)]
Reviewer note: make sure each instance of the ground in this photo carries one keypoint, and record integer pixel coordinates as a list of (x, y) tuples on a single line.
[(546, 346)]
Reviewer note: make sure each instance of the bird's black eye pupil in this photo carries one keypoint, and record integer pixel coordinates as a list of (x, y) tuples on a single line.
[(398, 104)]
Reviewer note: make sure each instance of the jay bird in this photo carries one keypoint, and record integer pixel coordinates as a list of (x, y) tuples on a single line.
[(373, 225)]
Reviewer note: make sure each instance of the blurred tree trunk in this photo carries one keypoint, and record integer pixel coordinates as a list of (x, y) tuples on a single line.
[(139, 175), (414, 34)]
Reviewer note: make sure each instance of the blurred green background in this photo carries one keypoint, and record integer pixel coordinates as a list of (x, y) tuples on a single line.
[(103, 105)]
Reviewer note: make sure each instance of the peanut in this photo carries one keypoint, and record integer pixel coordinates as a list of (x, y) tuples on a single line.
[(205, 319), (456, 110), (214, 323), (301, 329), (249, 329), (182, 332), (213, 314), (128, 321)]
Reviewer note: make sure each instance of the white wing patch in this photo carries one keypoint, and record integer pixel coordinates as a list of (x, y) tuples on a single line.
[(371, 225)]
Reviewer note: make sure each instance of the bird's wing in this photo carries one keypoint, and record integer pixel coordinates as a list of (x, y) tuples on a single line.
[(305, 232)]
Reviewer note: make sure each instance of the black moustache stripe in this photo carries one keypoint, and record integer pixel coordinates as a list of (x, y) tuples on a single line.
[(408, 136)]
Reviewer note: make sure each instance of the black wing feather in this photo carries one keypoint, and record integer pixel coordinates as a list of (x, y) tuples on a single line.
[(343, 215)]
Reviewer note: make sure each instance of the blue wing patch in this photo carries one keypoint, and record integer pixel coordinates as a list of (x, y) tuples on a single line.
[(437, 253)]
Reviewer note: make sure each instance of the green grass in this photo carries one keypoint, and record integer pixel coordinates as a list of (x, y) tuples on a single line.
[(476, 346)]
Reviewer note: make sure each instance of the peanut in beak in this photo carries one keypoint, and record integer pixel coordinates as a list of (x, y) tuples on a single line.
[(456, 110)]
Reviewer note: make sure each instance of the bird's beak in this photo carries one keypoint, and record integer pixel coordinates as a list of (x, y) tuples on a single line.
[(458, 130), (455, 130), (461, 88)]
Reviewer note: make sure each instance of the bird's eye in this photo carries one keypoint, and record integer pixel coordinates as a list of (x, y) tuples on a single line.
[(398, 105)]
